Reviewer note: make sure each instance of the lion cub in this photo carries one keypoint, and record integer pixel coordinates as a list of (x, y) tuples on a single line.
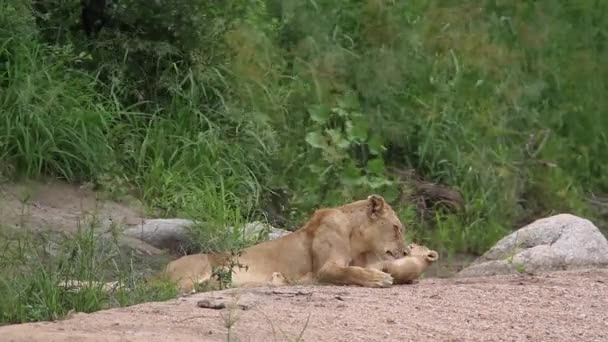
[(408, 268)]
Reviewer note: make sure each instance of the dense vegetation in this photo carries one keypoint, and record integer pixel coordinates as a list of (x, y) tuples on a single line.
[(217, 110)]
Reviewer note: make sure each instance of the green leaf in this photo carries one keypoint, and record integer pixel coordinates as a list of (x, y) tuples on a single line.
[(351, 174), (357, 130), (340, 112), (378, 182), (338, 139), (319, 113), (316, 169), (349, 101), (375, 145), (376, 166), (390, 193), (333, 155), (316, 140), (359, 181)]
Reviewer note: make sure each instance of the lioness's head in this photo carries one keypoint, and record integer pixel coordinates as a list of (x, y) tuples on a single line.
[(416, 250), (383, 231)]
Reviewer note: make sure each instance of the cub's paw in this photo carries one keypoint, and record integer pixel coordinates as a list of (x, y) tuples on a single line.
[(380, 279)]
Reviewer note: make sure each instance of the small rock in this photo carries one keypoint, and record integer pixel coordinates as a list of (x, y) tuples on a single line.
[(209, 304), (218, 304)]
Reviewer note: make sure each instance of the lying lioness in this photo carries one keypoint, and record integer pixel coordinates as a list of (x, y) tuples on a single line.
[(404, 270), (322, 251)]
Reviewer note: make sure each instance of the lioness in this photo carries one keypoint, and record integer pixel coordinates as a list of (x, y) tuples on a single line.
[(408, 268), (321, 251), (404, 270)]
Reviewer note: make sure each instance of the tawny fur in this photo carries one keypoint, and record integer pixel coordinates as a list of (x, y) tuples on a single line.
[(322, 251), (407, 269), (404, 270)]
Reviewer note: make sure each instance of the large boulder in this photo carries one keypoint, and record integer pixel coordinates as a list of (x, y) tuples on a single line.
[(559, 242)]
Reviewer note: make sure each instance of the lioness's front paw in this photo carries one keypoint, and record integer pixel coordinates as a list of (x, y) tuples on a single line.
[(381, 279), (278, 279)]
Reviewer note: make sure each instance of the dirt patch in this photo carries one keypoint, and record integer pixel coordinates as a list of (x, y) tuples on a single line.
[(560, 306)]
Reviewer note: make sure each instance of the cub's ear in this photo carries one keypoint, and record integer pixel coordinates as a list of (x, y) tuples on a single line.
[(376, 205), (432, 256)]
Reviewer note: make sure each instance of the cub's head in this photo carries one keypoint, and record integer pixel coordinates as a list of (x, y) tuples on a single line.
[(384, 232), (420, 251)]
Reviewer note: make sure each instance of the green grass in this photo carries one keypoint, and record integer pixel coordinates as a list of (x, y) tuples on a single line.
[(35, 266), (53, 121), (205, 115)]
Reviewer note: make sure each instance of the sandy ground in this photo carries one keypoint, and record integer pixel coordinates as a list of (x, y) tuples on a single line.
[(561, 306)]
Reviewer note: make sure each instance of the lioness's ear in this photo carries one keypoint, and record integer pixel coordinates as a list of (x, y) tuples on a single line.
[(376, 205)]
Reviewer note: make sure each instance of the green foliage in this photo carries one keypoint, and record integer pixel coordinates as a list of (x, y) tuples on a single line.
[(350, 155), (223, 274), (204, 107), (53, 121)]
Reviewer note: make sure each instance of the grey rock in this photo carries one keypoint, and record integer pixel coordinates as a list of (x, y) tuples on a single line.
[(139, 246), (172, 234), (260, 231), (560, 242)]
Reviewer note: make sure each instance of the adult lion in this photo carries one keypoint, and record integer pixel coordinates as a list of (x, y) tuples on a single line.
[(323, 251)]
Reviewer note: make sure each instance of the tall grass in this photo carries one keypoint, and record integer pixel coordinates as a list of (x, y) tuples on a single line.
[(502, 101), (53, 120), (60, 120), (180, 151)]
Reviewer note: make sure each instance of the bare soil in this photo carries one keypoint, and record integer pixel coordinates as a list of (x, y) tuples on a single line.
[(559, 306)]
